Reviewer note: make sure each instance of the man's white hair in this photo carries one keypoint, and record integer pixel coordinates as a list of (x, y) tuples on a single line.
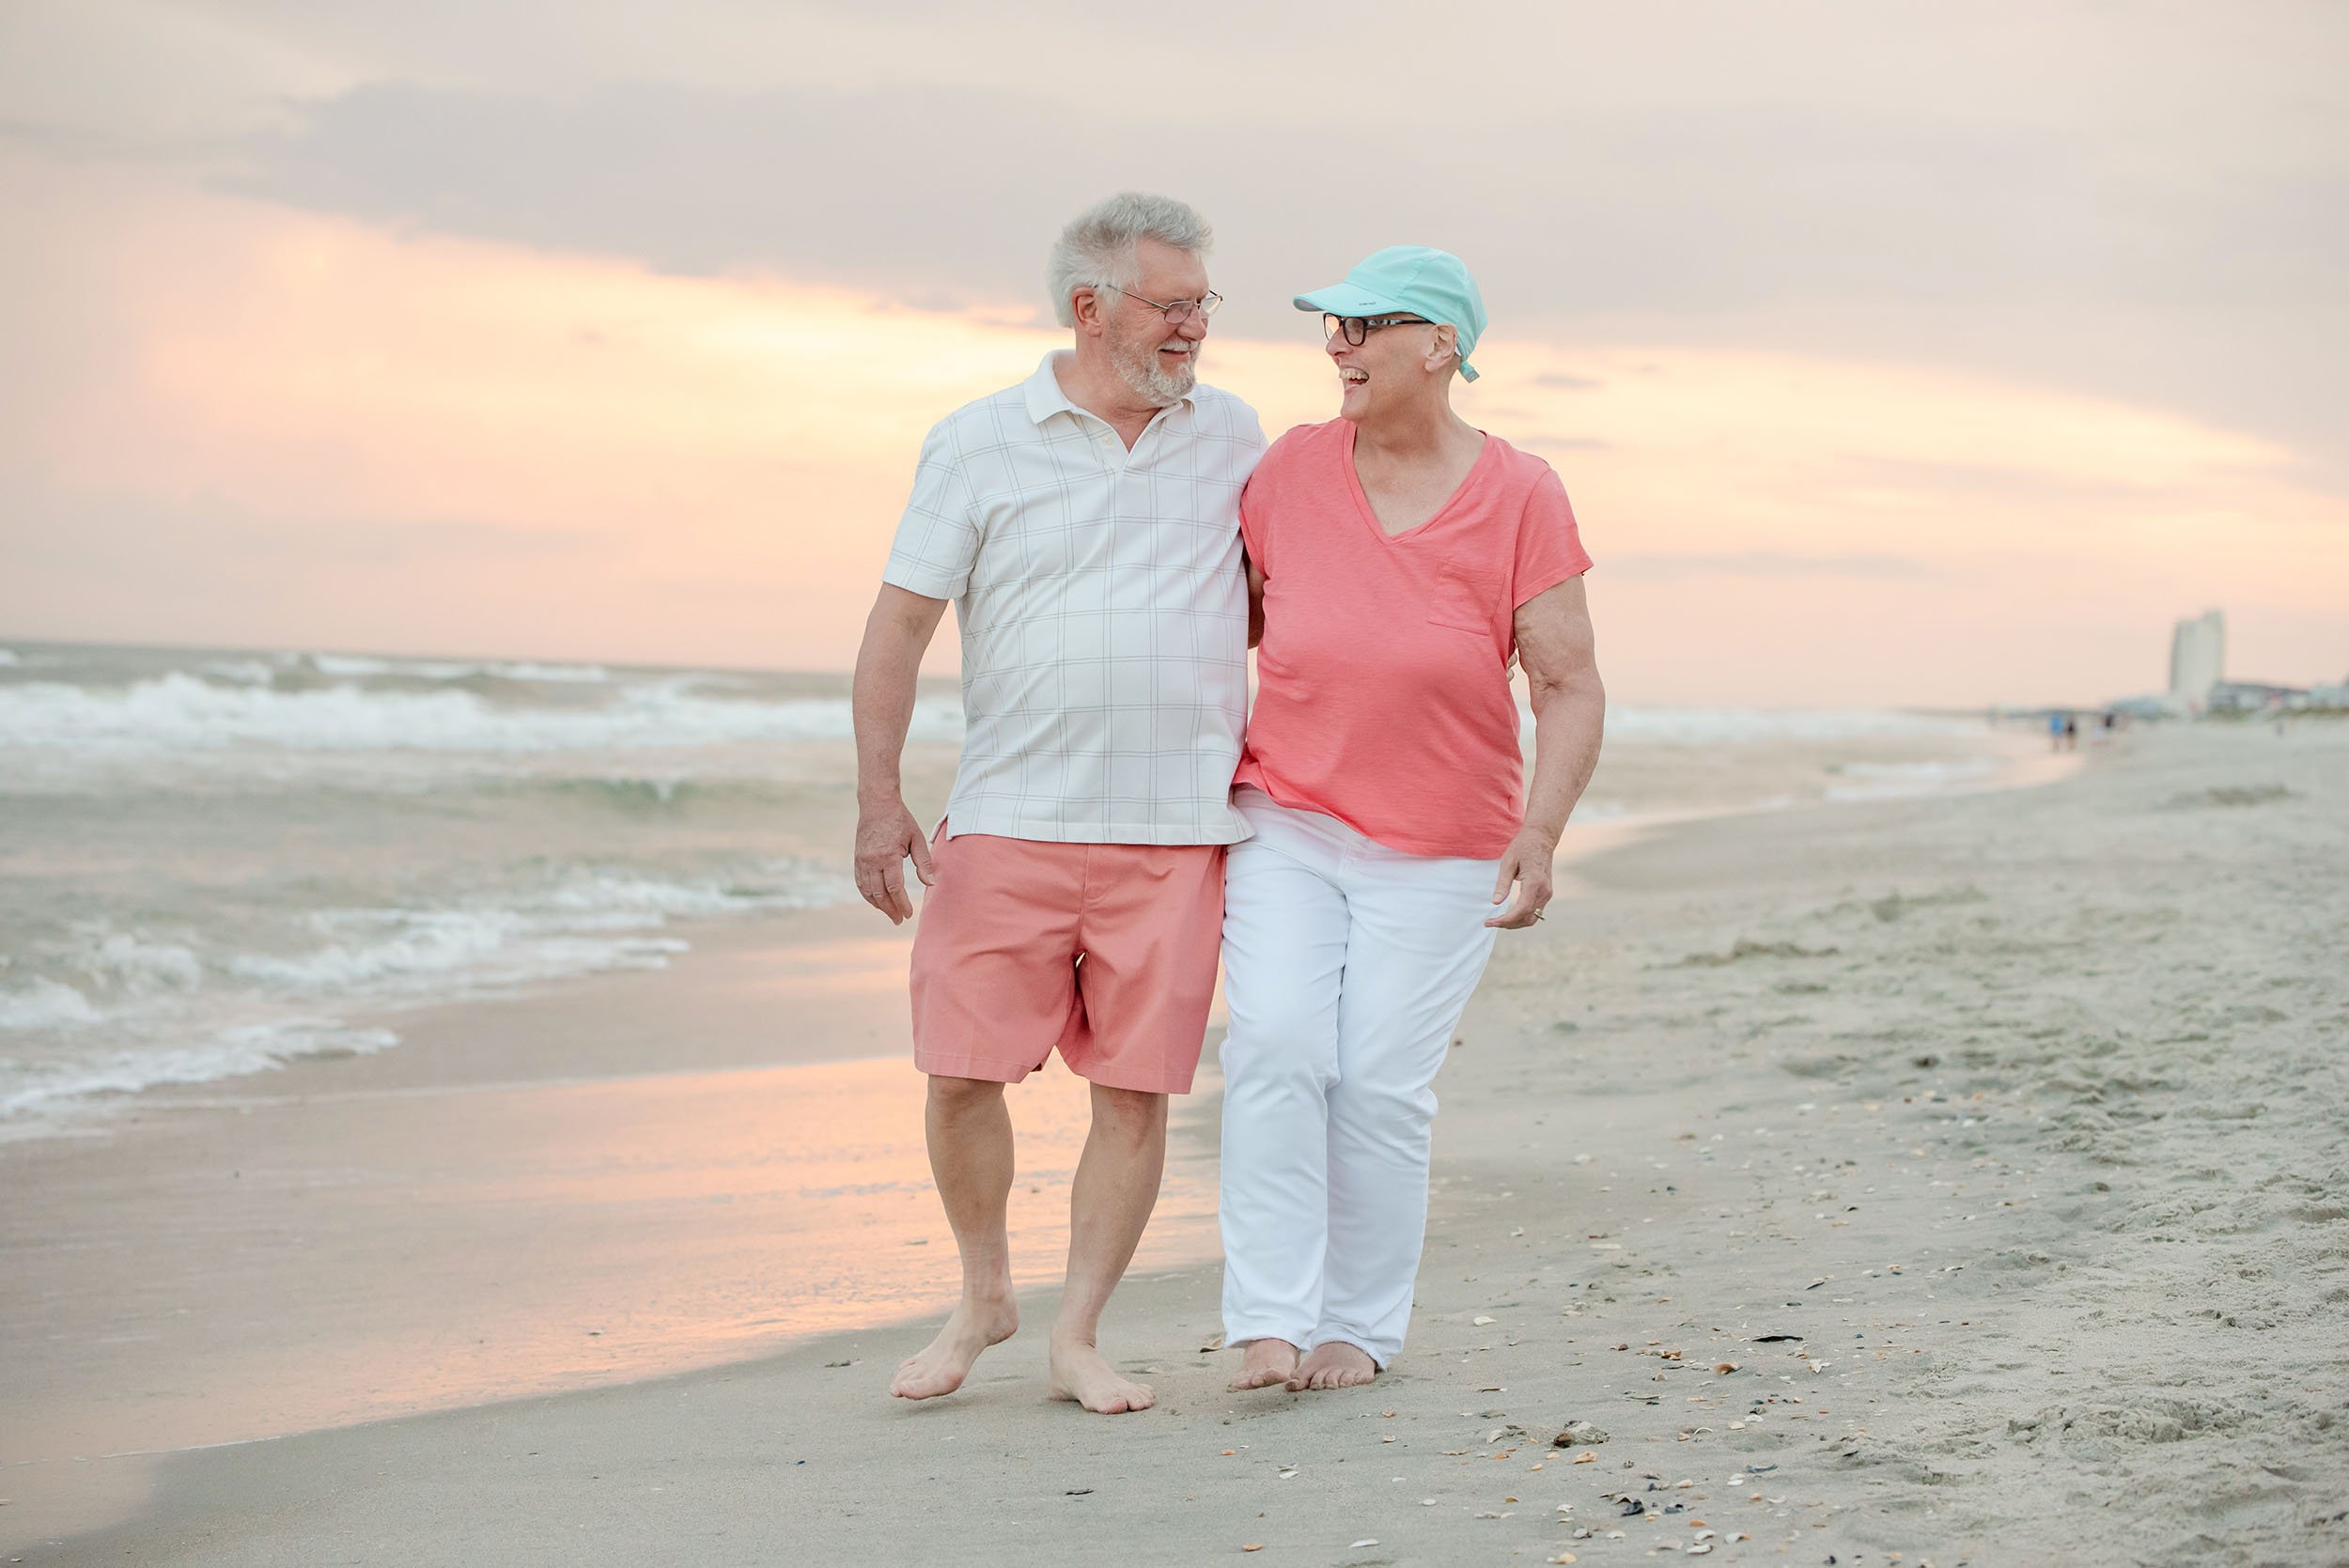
[(1097, 250)]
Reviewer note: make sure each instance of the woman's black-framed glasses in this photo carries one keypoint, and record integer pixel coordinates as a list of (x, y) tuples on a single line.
[(1179, 311), (1358, 328)]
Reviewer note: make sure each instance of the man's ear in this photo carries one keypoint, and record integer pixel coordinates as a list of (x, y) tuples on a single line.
[(1087, 306)]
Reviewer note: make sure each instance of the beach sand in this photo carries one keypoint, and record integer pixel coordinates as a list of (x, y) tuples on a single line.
[(1964, 1178)]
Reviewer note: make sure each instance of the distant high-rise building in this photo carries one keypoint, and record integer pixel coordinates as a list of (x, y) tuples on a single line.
[(2197, 658)]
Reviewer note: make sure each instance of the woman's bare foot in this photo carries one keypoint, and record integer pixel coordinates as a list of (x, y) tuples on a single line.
[(1080, 1374), (1268, 1361), (1334, 1365), (940, 1367)]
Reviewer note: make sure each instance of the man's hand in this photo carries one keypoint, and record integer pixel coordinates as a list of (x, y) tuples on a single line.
[(885, 836), (888, 665), (1527, 864)]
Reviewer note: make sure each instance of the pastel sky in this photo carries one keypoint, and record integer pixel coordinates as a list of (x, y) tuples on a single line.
[(1888, 357)]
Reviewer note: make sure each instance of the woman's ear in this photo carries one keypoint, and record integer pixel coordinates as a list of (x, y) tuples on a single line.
[(1447, 346)]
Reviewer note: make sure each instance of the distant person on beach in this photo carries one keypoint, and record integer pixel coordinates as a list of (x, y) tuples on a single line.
[(1085, 525), (1400, 563), (2055, 731)]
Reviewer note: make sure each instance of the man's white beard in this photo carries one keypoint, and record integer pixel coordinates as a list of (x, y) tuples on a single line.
[(1138, 367)]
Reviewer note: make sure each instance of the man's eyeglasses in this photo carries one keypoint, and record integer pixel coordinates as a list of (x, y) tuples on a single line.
[(1179, 311), (1358, 328)]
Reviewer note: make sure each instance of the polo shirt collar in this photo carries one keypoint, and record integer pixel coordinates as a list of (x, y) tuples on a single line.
[(1046, 399)]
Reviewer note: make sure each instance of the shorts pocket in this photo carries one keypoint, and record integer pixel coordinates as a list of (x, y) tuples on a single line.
[(1464, 597)]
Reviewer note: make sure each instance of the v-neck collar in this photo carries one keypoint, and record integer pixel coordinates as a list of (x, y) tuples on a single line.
[(1369, 514)]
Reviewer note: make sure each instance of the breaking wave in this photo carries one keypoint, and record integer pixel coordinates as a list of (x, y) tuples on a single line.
[(180, 711)]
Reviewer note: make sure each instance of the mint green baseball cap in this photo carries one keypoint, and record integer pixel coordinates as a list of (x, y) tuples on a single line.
[(1415, 280)]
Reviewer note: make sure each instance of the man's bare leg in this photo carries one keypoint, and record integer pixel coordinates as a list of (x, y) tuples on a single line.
[(1333, 1365), (1268, 1361), (1116, 1187), (970, 1155)]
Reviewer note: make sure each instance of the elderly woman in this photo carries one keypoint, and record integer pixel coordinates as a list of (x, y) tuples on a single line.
[(1400, 561)]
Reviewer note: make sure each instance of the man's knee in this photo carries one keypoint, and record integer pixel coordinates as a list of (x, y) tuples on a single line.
[(956, 1097), (1133, 1115)]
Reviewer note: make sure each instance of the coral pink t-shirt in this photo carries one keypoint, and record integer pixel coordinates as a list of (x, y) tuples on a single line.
[(1383, 694)]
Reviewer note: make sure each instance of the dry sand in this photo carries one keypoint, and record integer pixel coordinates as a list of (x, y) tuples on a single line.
[(2023, 1111)]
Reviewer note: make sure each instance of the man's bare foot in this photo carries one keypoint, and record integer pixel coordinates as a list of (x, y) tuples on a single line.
[(1268, 1361), (1334, 1365), (940, 1367), (1080, 1373)]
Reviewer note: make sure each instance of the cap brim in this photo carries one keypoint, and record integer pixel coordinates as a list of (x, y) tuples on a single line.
[(1344, 299)]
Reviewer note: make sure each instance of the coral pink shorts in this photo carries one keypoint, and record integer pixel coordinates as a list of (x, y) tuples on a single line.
[(1106, 950)]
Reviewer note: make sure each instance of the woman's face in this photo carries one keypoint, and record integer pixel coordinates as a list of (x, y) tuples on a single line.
[(1387, 369)]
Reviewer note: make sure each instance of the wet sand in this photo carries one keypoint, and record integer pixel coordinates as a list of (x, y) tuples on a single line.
[(2021, 1109), (515, 1201)]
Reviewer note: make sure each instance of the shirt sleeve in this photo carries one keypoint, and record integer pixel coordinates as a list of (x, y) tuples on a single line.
[(937, 538), (1549, 546), (1251, 528)]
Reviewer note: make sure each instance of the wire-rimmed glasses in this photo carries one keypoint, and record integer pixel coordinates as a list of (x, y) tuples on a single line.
[(1179, 311)]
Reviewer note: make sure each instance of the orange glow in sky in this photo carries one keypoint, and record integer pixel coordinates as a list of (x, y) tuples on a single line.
[(355, 438)]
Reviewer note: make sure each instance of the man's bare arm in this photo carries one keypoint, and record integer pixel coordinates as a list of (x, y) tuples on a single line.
[(1255, 601), (888, 667), (1559, 650)]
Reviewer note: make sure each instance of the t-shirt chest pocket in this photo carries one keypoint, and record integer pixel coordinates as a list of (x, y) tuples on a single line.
[(1464, 596)]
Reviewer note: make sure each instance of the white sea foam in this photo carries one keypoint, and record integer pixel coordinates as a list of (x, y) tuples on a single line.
[(1698, 727), (1876, 780), (155, 1011), (388, 954), (180, 712), (44, 1090), (244, 672), (7, 657), (588, 922), (1930, 771), (46, 1004), (345, 664), (137, 965)]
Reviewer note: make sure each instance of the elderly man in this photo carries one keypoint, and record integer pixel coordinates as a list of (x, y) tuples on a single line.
[(1085, 523)]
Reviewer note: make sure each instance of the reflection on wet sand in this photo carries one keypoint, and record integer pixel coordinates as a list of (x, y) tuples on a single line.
[(325, 1261)]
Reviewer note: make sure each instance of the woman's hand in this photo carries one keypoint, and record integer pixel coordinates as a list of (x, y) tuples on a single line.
[(1527, 865)]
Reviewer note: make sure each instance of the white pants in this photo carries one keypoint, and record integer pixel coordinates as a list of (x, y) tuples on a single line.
[(1348, 966)]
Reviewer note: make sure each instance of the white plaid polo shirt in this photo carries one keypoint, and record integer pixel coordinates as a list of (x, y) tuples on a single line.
[(1103, 607)]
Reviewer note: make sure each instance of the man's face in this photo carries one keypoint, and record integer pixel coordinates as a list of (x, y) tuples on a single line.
[(1159, 361)]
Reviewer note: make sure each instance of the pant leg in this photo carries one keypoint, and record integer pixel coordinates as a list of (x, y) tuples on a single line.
[(1283, 953), (1416, 947)]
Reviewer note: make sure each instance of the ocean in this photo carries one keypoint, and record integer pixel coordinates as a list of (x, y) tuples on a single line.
[(213, 863)]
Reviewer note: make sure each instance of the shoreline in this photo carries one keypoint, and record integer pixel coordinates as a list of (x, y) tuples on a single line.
[(136, 997)]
